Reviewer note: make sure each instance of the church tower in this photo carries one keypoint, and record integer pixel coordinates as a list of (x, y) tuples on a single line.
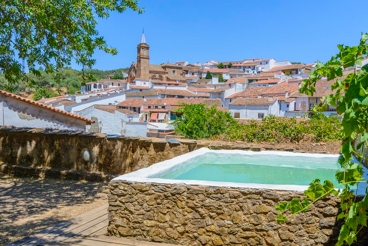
[(143, 60)]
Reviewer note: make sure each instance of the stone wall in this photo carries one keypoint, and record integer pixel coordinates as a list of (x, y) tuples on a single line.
[(59, 154), (204, 215)]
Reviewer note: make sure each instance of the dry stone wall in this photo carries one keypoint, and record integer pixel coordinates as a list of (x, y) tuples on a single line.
[(205, 215), (59, 153)]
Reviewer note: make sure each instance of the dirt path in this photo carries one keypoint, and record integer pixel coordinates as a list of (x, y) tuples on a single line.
[(30, 205)]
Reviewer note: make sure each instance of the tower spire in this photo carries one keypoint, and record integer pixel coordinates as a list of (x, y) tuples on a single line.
[(143, 39)]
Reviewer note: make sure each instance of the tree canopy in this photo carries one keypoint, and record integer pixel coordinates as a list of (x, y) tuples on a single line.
[(52, 33), (350, 98), (208, 75), (220, 65)]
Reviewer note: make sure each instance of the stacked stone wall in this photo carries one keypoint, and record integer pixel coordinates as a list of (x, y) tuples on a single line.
[(59, 153), (205, 215)]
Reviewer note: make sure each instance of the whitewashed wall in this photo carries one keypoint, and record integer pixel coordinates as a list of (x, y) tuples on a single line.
[(21, 114)]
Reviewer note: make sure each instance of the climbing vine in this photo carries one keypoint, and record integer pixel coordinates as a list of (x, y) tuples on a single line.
[(350, 98)]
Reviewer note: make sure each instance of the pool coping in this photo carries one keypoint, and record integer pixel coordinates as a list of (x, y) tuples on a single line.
[(143, 175)]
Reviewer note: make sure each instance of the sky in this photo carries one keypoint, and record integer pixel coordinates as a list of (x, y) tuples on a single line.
[(203, 30)]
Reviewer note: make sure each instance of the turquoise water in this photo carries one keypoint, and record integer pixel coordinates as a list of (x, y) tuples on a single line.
[(260, 169)]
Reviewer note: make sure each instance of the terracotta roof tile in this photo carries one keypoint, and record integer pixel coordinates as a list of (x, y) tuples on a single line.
[(323, 88), (107, 108), (288, 67), (186, 93), (253, 101), (239, 80), (41, 105), (125, 111), (144, 93), (278, 89), (216, 70), (140, 87), (266, 81)]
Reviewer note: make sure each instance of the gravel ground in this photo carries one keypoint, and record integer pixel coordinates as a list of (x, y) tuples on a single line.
[(30, 205)]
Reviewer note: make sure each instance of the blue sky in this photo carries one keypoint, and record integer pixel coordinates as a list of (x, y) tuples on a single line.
[(201, 30)]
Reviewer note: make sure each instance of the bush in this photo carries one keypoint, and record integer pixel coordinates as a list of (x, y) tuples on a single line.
[(199, 121)]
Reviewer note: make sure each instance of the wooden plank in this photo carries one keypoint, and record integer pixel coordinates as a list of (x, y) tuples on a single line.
[(101, 232), (77, 231), (90, 230), (50, 233), (91, 242), (127, 241)]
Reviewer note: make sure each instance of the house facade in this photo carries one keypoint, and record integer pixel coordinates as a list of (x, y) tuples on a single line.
[(21, 112)]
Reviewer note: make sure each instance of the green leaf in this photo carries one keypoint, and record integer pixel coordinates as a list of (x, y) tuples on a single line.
[(281, 219), (282, 206)]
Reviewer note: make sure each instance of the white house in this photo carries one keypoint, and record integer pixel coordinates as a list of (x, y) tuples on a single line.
[(21, 112), (110, 120), (103, 84), (253, 108)]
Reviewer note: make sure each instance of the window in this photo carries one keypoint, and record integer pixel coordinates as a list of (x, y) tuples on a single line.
[(260, 115), (236, 115), (173, 71), (149, 106), (163, 107)]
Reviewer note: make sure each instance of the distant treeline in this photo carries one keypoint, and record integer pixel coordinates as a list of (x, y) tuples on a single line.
[(67, 80)]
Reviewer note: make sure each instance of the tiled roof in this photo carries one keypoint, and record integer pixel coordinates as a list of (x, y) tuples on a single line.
[(107, 108), (249, 92), (323, 88), (219, 90), (216, 70), (144, 93), (41, 105), (278, 89), (239, 80), (288, 67), (166, 82), (169, 101), (158, 68), (236, 71), (125, 111), (131, 103), (199, 89), (184, 93), (175, 77), (253, 101), (267, 81), (140, 87), (266, 74)]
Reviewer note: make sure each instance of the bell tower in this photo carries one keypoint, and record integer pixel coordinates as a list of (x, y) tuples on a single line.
[(143, 60)]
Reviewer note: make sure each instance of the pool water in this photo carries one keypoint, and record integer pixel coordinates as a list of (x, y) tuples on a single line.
[(256, 168)]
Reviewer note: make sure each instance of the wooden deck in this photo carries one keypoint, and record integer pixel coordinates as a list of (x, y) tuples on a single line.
[(89, 229)]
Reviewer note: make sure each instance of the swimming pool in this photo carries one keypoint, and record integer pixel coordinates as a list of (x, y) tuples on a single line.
[(266, 169)]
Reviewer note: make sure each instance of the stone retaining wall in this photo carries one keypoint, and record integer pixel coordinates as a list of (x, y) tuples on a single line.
[(205, 215), (59, 154)]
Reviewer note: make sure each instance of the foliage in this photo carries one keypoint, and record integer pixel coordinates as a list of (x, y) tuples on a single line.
[(67, 78), (351, 100), (230, 65), (43, 93), (198, 118), (221, 78), (199, 121), (319, 128), (51, 34), (220, 65), (208, 75), (118, 75)]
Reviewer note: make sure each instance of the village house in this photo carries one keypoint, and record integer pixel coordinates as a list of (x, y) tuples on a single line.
[(22, 112), (113, 121), (253, 108)]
